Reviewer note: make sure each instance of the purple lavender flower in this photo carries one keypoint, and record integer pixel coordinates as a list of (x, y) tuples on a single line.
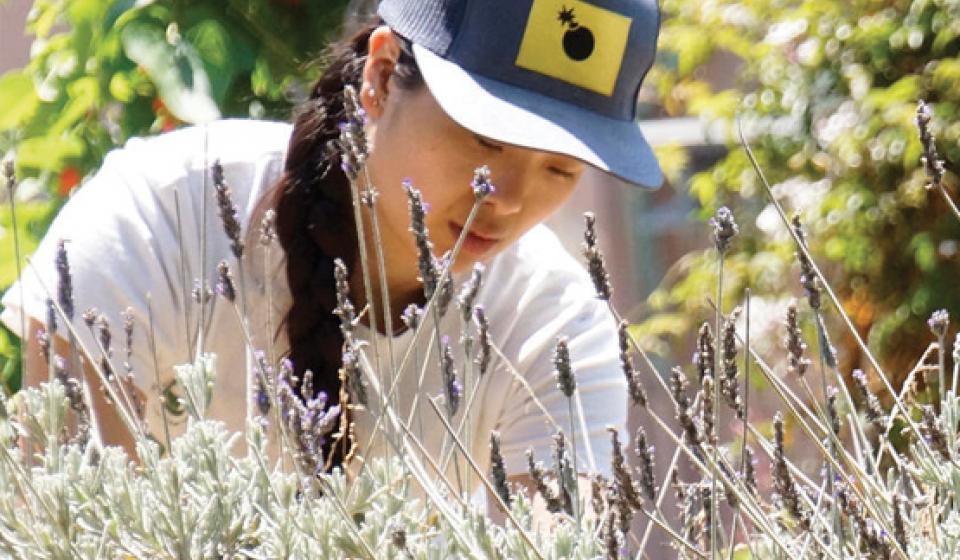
[(354, 380), (498, 470), (939, 322), (930, 158), (595, 263), (808, 276), (635, 387), (796, 347), (481, 184), (724, 229), (564, 370), (452, 387), (704, 356), (412, 316), (51, 326), (353, 138), (268, 231), (483, 341), (426, 261), (344, 310), (225, 284), (228, 210), (64, 280), (469, 291), (873, 409)]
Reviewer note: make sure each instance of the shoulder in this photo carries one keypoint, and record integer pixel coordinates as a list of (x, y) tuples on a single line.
[(234, 138), (170, 157), (538, 263), (535, 291)]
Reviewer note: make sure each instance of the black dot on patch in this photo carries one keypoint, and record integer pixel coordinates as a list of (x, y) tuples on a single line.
[(578, 41)]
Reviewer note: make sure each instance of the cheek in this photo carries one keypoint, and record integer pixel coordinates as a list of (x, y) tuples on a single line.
[(544, 203)]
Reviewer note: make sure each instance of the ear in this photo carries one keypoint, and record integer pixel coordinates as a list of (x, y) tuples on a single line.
[(383, 51)]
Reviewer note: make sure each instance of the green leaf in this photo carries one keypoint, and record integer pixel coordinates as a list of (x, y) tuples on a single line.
[(83, 95), (18, 100), (221, 55), (49, 152), (176, 69)]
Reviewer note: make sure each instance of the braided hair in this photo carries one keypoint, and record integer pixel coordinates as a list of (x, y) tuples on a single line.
[(313, 208)]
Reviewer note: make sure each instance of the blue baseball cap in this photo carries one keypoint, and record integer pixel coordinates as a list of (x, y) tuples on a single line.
[(554, 75)]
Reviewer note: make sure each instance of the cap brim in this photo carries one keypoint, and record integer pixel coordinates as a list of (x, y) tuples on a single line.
[(518, 116)]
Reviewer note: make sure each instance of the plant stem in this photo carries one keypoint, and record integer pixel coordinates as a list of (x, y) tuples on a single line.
[(156, 372), (24, 335), (420, 328), (836, 301), (367, 279)]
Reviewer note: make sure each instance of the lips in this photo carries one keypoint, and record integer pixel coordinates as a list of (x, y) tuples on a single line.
[(474, 243)]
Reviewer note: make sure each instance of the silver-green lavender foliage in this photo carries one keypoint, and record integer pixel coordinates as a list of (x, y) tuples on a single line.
[(204, 500)]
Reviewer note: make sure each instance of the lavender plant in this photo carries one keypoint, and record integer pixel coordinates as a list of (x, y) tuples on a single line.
[(64, 495)]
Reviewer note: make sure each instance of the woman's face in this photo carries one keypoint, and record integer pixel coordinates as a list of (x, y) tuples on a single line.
[(412, 138)]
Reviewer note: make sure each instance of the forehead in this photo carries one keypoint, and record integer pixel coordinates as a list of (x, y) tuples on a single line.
[(420, 109)]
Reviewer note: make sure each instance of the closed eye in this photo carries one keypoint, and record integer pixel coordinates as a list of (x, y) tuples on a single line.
[(561, 172), (489, 144)]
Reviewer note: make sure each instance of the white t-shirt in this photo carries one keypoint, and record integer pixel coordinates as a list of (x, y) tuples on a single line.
[(123, 244)]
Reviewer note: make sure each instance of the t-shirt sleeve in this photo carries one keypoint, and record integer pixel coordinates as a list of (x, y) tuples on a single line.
[(113, 229), (561, 303)]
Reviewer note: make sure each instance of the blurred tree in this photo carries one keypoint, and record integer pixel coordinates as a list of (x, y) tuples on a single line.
[(101, 72), (827, 95)]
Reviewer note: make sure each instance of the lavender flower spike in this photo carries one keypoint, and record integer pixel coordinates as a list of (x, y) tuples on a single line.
[(353, 137), (703, 357), (796, 347), (645, 454), (595, 264), (268, 230), (228, 210), (426, 262), (724, 229), (452, 387), (497, 469), (635, 387), (564, 370), (469, 291), (930, 158), (353, 377), (225, 284), (939, 322), (345, 310), (873, 409), (64, 280), (808, 277), (483, 338), (729, 387), (412, 316), (481, 184)]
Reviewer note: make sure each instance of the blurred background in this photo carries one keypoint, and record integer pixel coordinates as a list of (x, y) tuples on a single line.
[(825, 92)]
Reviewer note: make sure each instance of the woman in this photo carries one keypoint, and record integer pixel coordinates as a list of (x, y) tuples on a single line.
[(535, 90)]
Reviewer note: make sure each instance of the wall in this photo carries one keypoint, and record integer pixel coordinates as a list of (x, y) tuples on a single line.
[(14, 44)]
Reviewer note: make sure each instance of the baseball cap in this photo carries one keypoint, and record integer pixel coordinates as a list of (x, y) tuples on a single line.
[(554, 75)]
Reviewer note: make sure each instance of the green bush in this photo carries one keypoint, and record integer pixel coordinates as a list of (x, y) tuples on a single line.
[(826, 94), (102, 72)]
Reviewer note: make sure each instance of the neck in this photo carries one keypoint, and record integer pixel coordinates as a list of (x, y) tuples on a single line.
[(403, 288)]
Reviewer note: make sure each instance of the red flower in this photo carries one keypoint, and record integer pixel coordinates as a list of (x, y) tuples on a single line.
[(69, 178)]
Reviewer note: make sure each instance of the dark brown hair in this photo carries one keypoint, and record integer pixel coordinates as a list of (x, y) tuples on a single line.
[(314, 216)]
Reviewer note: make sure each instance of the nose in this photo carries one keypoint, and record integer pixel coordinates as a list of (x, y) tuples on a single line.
[(511, 184)]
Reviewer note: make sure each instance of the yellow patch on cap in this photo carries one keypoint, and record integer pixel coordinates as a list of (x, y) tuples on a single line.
[(576, 42)]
